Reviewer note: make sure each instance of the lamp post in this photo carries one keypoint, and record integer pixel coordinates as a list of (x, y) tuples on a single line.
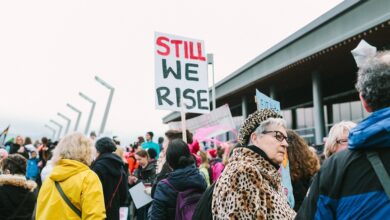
[(60, 126), (67, 122), (90, 113), (210, 60), (112, 89), (78, 115), (52, 130)]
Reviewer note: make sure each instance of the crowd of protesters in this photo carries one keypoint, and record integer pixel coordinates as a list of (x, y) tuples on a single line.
[(83, 177)]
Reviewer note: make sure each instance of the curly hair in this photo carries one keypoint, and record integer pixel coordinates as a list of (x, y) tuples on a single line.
[(303, 162), (373, 81), (75, 146)]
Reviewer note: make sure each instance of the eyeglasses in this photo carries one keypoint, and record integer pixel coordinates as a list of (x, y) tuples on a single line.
[(342, 141), (278, 135)]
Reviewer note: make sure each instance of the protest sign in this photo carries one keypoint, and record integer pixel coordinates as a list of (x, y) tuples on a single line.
[(180, 74), (139, 196), (264, 102), (219, 121)]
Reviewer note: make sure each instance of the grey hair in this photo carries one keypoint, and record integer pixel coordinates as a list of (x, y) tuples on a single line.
[(373, 81), (266, 124)]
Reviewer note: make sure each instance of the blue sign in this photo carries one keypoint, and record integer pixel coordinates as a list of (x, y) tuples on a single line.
[(264, 102)]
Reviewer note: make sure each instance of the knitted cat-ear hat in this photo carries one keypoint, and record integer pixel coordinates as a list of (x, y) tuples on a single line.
[(252, 122)]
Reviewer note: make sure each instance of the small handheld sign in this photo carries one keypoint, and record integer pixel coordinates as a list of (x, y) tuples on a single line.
[(264, 102)]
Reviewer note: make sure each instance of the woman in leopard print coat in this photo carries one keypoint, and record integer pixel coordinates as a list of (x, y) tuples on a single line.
[(250, 185)]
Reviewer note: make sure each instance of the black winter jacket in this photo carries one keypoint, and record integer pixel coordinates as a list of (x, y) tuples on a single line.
[(110, 169), (16, 197), (148, 174)]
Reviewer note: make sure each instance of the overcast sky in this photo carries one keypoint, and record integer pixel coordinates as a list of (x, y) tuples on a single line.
[(51, 50)]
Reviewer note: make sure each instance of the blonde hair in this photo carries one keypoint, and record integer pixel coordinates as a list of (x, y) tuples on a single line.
[(204, 159), (120, 152), (335, 133), (75, 146), (21, 137)]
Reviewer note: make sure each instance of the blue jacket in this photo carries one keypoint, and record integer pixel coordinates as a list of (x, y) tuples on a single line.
[(346, 187), (32, 168), (164, 202)]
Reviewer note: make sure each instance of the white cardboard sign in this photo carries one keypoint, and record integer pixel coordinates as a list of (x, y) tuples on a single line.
[(180, 74)]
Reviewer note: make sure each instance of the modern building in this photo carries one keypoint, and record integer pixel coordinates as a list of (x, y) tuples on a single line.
[(312, 72)]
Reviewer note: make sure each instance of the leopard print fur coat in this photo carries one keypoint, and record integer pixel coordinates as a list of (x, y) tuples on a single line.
[(249, 188)]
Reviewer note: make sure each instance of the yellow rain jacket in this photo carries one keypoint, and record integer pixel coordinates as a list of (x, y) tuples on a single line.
[(82, 187)]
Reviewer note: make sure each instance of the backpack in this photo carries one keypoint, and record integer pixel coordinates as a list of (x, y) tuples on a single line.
[(203, 208), (186, 201)]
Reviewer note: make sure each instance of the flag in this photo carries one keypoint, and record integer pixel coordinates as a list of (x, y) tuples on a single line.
[(5, 132)]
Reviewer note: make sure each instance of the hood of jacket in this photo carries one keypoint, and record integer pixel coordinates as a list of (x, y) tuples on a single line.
[(17, 181), (66, 168), (187, 177), (111, 162), (372, 132)]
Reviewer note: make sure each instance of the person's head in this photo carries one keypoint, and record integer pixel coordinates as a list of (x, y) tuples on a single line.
[(92, 135), (176, 134), (271, 137), (160, 140), (14, 164), (338, 137), (373, 82), (116, 140), (105, 145), (45, 141), (19, 140), (152, 153), (220, 151), (33, 154), (120, 151), (140, 141), (133, 147), (74, 146), (303, 161), (37, 143), (178, 154), (149, 136), (27, 141), (142, 158)]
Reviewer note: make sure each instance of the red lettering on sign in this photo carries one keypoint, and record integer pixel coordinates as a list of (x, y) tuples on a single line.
[(186, 49), (200, 57), (177, 48), (162, 44), (166, 45)]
